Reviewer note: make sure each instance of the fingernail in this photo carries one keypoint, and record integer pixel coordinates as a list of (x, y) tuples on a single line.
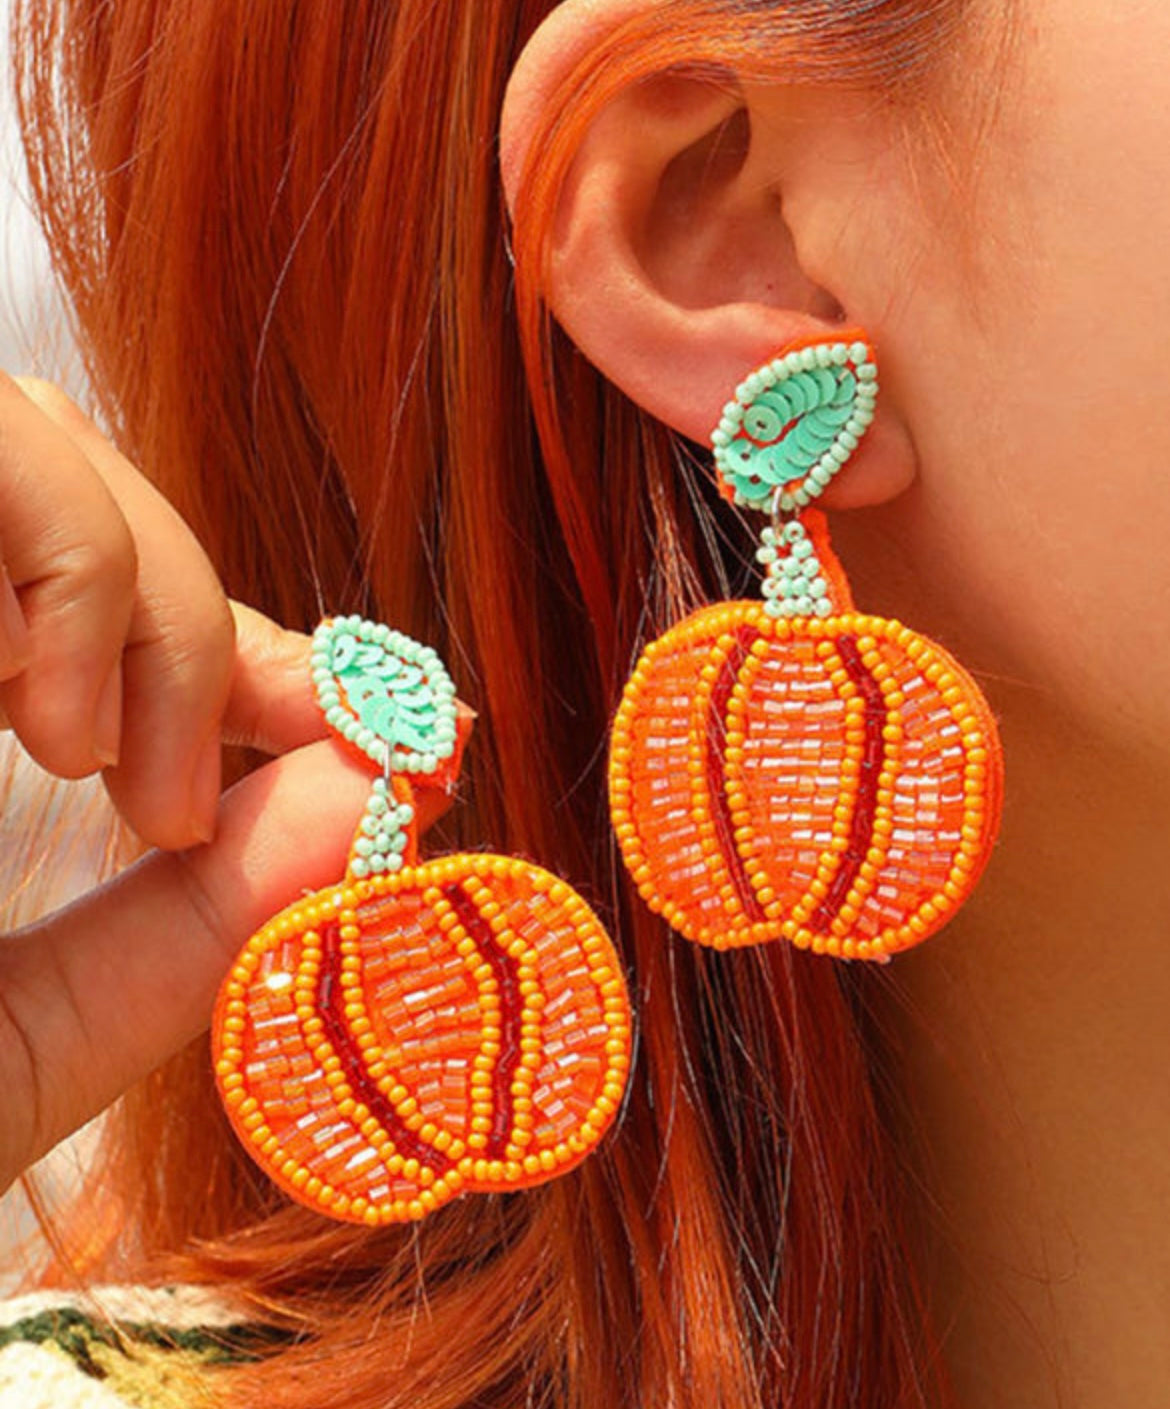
[(15, 640), (205, 788), (107, 721)]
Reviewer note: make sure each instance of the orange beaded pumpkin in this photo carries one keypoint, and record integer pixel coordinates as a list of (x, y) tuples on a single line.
[(792, 768), (419, 1030)]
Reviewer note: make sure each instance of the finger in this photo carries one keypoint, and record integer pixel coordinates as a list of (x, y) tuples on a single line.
[(98, 995), (70, 558), (15, 641), (179, 649), (271, 706)]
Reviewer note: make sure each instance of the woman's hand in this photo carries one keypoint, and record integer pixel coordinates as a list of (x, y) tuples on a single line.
[(97, 995), (125, 659), (119, 651)]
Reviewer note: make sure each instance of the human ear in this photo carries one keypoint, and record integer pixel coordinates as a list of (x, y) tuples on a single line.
[(706, 222)]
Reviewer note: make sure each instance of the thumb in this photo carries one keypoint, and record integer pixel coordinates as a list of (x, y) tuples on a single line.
[(96, 996)]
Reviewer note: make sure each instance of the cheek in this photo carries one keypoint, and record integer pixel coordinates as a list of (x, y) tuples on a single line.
[(1036, 384)]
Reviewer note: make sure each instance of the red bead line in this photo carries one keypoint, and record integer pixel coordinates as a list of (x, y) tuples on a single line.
[(865, 805), (507, 976), (716, 770), (330, 1002)]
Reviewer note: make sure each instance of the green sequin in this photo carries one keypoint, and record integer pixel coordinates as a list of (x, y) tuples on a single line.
[(793, 425), (385, 692)]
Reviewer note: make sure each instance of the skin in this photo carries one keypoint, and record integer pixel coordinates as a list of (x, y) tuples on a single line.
[(1011, 503), (1047, 1114)]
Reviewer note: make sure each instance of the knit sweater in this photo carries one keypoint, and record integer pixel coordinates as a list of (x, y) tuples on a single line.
[(117, 1347)]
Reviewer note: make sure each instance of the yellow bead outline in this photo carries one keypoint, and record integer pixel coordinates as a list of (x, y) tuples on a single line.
[(958, 694), (297, 920)]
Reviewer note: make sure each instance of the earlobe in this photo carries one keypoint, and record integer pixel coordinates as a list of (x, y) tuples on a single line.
[(675, 265)]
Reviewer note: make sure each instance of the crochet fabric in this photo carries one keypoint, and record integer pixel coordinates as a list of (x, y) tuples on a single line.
[(118, 1347)]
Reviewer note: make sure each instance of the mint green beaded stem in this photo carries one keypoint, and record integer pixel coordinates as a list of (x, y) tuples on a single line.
[(390, 697), (794, 583), (795, 423), (383, 834)]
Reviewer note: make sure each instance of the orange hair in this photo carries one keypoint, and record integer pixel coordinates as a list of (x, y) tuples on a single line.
[(281, 229)]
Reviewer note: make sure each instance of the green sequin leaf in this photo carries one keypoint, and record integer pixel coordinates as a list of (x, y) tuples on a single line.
[(385, 693), (795, 422)]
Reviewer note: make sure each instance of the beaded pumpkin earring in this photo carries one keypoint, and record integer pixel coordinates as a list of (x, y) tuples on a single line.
[(421, 1029), (793, 768)]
